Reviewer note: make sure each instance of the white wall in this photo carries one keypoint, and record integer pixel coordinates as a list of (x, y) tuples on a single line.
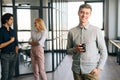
[(118, 28), (111, 21)]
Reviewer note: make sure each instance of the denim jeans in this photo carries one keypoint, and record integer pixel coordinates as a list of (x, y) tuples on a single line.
[(8, 62)]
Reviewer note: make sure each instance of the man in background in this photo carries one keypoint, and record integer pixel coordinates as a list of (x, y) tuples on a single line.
[(8, 46)]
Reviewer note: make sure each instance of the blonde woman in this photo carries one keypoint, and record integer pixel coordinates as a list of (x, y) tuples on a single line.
[(38, 38)]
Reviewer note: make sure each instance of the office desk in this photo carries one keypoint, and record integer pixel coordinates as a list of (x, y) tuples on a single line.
[(24, 53), (116, 43)]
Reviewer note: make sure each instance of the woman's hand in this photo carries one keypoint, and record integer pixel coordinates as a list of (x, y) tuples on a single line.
[(33, 43)]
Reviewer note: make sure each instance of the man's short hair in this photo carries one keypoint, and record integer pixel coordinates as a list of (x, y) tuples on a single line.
[(6, 17), (85, 6)]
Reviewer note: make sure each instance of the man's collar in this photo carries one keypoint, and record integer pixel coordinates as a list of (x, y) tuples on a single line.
[(85, 27), (6, 28)]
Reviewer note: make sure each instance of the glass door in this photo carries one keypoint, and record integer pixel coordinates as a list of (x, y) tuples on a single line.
[(25, 22)]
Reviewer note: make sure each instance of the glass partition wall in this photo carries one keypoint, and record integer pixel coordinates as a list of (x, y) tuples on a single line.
[(54, 13)]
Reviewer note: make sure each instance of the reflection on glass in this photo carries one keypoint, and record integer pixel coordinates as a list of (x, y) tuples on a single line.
[(24, 36), (7, 10), (97, 17), (31, 2), (23, 18), (54, 19), (73, 18), (48, 45), (25, 65), (7, 2), (45, 17), (55, 45)]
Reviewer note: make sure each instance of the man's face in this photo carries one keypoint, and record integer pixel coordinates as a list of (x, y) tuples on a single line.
[(10, 21), (84, 14)]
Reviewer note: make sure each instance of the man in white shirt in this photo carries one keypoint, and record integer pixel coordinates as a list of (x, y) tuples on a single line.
[(87, 45)]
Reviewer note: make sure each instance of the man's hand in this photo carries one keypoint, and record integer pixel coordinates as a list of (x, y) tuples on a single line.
[(79, 48), (2, 45), (12, 39), (16, 49), (95, 71)]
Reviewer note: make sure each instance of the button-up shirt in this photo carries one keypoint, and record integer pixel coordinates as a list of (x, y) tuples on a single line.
[(39, 37), (5, 36), (96, 51)]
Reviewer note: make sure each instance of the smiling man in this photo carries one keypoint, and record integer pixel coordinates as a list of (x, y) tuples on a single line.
[(88, 47)]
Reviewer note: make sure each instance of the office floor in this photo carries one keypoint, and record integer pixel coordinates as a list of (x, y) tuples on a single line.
[(63, 72)]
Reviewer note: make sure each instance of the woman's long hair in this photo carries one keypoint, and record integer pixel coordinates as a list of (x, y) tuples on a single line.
[(41, 24)]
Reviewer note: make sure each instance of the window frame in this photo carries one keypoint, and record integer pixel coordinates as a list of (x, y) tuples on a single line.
[(103, 10)]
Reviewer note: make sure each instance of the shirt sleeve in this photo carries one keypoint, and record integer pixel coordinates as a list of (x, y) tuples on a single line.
[(32, 33), (43, 38), (0, 37), (70, 48), (16, 39), (102, 49)]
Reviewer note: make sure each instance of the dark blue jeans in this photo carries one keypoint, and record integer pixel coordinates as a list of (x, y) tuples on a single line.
[(8, 62)]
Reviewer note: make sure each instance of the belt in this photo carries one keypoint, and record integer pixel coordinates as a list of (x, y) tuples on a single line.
[(9, 53)]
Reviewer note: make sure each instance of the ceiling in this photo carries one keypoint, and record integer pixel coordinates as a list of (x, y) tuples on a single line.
[(10, 1)]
